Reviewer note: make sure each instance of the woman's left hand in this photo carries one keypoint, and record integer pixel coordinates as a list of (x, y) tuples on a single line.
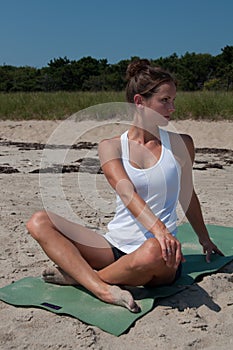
[(170, 248), (208, 248)]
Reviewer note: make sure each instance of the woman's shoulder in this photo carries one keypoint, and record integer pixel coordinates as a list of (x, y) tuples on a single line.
[(181, 139), (110, 141), (182, 145), (108, 145)]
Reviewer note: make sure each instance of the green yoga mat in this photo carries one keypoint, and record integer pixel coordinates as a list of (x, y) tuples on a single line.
[(77, 302)]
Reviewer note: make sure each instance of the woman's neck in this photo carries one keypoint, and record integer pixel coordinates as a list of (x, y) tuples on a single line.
[(143, 133)]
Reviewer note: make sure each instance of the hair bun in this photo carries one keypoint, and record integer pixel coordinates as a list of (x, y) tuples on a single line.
[(136, 67)]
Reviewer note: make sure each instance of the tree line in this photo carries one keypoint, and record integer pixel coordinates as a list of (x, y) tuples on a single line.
[(192, 71)]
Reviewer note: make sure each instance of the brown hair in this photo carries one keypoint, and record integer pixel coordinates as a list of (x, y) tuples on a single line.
[(145, 79)]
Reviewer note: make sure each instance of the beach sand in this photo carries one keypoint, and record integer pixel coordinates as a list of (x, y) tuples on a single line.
[(200, 317)]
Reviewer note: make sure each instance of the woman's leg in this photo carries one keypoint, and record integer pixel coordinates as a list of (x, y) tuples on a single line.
[(145, 266), (78, 255)]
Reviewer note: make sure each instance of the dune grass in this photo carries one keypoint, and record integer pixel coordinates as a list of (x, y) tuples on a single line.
[(59, 105), (211, 105)]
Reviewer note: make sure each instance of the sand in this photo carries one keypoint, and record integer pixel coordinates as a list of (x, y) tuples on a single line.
[(200, 317)]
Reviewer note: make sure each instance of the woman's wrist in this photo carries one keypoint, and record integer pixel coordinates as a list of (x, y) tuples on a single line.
[(159, 228), (203, 235)]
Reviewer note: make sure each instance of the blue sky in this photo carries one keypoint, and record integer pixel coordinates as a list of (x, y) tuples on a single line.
[(32, 32)]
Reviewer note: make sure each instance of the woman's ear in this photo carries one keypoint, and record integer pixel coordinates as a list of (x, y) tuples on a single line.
[(138, 100)]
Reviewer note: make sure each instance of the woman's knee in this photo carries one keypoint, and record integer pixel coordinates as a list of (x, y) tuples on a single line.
[(152, 251), (36, 223), (149, 254)]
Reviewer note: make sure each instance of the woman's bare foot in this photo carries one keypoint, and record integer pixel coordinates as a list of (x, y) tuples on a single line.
[(115, 295), (120, 297), (57, 276)]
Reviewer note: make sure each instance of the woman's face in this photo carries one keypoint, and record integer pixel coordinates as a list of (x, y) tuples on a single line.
[(162, 101)]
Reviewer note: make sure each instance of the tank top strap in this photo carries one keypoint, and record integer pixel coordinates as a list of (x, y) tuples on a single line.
[(125, 146), (165, 139)]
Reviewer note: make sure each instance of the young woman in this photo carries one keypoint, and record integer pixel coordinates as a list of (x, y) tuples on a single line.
[(150, 169)]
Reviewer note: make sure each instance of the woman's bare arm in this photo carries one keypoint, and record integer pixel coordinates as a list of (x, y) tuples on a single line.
[(191, 205)]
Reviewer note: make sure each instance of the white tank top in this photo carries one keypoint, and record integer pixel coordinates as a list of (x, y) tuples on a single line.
[(158, 185)]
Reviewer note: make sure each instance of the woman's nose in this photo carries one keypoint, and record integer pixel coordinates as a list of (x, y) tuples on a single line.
[(171, 108)]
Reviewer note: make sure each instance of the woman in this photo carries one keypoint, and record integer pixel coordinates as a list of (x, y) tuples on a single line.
[(150, 170)]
